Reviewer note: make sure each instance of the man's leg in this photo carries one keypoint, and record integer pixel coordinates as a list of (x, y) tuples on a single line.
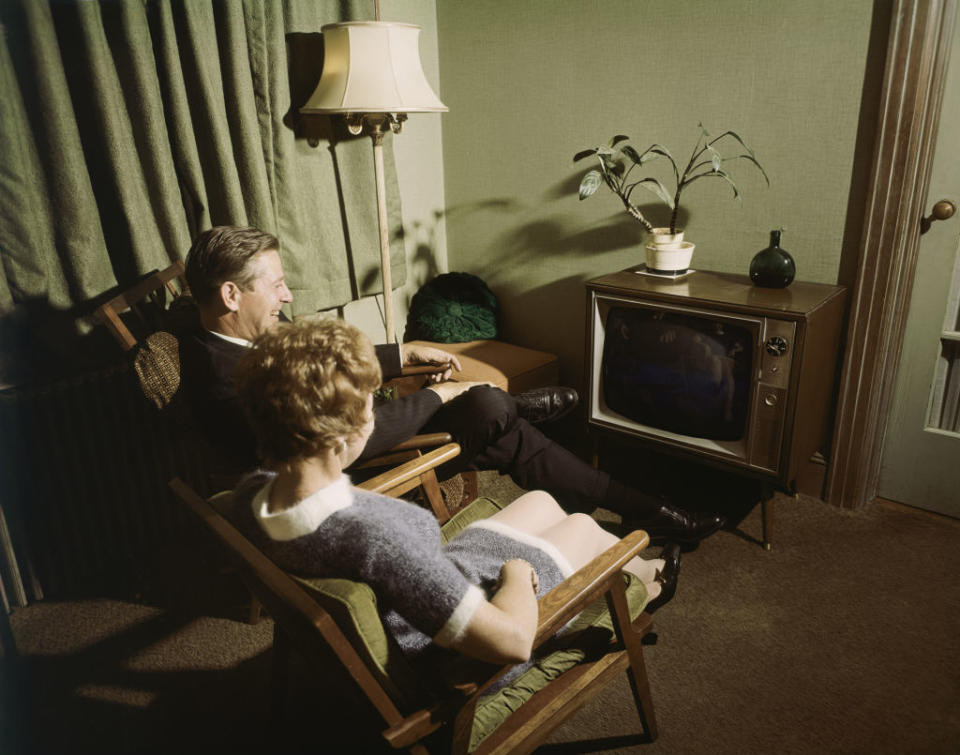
[(485, 423)]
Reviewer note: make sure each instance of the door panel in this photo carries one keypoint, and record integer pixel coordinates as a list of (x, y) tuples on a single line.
[(921, 453)]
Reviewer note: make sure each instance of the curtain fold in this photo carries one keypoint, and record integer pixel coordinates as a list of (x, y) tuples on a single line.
[(128, 126)]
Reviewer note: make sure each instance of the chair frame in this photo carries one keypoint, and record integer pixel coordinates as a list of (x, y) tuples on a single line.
[(149, 287), (300, 620)]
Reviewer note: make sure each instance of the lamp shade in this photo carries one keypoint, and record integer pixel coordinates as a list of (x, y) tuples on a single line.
[(372, 67)]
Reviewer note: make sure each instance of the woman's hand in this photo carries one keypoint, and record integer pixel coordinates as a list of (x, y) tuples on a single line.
[(503, 629), (518, 563)]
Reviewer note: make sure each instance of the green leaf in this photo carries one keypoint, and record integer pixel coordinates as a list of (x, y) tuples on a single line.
[(633, 155), (654, 186), (735, 136), (590, 183), (752, 159), (716, 174), (716, 159), (584, 153), (654, 151), (617, 139)]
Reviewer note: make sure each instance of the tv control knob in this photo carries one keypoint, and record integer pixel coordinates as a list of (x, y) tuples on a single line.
[(776, 346)]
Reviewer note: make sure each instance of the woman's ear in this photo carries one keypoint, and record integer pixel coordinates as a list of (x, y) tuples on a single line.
[(340, 446)]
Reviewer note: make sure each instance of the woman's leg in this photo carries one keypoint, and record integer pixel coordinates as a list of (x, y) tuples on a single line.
[(581, 539), (532, 513), (577, 536)]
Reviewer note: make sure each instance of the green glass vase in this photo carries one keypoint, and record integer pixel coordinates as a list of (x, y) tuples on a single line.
[(773, 267)]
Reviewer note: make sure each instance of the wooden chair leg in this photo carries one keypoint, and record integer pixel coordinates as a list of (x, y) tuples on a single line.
[(471, 486), (431, 489), (255, 611), (279, 675), (631, 635)]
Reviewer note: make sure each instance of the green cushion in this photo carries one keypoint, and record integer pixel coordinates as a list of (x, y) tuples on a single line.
[(481, 508)]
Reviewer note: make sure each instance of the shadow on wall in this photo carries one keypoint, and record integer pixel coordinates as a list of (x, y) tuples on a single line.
[(550, 317), (423, 262), (423, 265)]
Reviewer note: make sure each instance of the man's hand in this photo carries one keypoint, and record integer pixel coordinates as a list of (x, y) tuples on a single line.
[(429, 355), (448, 391)]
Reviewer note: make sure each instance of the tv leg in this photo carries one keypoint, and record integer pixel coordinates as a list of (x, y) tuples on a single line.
[(766, 510)]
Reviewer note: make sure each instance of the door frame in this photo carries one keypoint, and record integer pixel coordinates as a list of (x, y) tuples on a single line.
[(918, 52)]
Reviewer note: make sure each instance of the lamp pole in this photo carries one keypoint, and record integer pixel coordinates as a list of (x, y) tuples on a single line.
[(378, 124)]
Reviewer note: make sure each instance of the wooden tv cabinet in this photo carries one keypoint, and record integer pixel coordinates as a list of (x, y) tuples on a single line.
[(791, 403)]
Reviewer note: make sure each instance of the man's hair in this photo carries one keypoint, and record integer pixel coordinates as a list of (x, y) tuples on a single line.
[(222, 254), (304, 386)]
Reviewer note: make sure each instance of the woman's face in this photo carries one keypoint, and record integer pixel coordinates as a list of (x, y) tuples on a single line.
[(356, 442)]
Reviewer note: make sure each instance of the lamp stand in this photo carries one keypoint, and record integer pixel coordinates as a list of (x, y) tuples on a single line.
[(378, 123)]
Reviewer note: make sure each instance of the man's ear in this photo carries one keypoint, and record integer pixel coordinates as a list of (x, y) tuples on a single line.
[(230, 294)]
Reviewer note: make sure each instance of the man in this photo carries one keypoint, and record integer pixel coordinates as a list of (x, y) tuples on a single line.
[(237, 280)]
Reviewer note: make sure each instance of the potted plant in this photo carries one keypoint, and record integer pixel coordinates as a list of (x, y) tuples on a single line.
[(667, 251)]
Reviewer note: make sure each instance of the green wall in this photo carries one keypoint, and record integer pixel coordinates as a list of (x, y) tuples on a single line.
[(531, 83)]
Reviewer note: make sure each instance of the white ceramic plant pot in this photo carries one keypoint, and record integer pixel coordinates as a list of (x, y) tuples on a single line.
[(663, 238), (669, 260)]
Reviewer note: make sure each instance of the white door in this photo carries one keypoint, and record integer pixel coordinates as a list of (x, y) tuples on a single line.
[(921, 454)]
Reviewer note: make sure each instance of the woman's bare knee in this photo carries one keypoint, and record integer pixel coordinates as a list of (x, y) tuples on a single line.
[(532, 512)]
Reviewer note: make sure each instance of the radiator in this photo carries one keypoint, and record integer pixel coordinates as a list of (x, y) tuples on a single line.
[(85, 467)]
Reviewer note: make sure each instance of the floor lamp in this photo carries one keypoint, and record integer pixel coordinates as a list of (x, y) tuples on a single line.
[(373, 77)]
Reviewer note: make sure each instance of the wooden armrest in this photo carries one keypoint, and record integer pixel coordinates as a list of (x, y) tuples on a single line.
[(413, 468), (426, 440), (427, 368), (585, 585), (405, 450)]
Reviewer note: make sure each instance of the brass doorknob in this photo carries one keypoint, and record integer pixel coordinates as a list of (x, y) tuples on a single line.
[(942, 210)]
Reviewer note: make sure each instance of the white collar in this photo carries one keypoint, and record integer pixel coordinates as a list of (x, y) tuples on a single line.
[(232, 339), (304, 517)]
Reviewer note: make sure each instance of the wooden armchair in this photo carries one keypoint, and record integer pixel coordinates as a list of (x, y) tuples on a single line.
[(322, 616)]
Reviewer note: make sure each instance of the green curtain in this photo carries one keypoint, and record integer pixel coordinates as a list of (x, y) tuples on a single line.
[(128, 126)]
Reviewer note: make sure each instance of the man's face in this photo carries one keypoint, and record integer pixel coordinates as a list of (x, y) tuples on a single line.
[(258, 308)]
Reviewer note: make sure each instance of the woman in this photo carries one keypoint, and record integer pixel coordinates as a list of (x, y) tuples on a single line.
[(307, 392)]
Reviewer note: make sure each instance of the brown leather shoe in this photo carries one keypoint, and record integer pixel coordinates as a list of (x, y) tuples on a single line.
[(546, 404)]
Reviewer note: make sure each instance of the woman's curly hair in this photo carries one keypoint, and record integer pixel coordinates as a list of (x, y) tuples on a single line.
[(304, 386)]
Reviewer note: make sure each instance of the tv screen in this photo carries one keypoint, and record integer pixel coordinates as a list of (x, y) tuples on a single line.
[(678, 372)]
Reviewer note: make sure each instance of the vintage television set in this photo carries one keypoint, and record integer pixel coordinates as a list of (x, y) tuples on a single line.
[(711, 367)]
